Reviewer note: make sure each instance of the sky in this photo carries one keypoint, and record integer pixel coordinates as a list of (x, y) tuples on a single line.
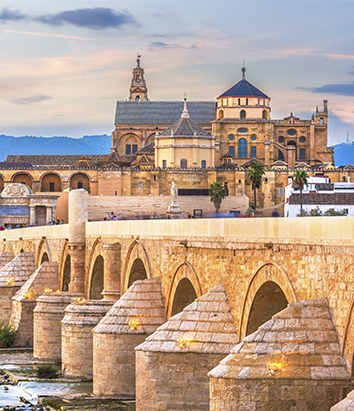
[(64, 64)]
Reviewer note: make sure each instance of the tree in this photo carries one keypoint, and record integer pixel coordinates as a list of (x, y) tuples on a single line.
[(255, 173), (217, 193), (299, 182)]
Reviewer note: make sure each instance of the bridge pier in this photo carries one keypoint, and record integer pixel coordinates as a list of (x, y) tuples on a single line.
[(112, 271), (136, 315), (293, 361), (172, 364), (77, 338)]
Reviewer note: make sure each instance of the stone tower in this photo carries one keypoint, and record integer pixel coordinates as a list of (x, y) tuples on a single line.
[(138, 89)]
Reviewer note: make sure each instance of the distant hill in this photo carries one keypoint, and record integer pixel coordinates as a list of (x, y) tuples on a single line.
[(343, 154), (54, 145)]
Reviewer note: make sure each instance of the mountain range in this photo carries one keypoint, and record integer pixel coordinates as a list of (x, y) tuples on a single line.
[(101, 144)]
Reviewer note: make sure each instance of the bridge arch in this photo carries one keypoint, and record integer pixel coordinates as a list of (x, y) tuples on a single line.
[(95, 280), (65, 269), (136, 261), (43, 253), (185, 288), (272, 283)]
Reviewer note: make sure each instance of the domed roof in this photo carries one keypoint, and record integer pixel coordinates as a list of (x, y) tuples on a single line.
[(244, 89), (185, 127)]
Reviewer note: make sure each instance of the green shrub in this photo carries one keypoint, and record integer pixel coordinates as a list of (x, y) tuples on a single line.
[(316, 212), (332, 212), (46, 371), (7, 335)]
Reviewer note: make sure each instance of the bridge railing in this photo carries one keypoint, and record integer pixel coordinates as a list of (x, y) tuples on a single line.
[(50, 231)]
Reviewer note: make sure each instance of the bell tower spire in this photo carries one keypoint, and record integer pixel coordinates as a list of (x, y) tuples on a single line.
[(138, 89)]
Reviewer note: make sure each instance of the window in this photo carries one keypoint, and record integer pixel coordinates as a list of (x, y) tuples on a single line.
[(239, 101), (281, 139), (51, 186), (280, 155), (232, 151), (203, 164), (183, 163), (346, 211), (302, 139), (242, 114), (321, 120), (231, 138), (302, 154), (253, 137), (291, 132), (242, 148), (164, 163), (140, 186), (131, 148), (281, 191), (80, 184), (242, 130), (254, 152), (246, 101)]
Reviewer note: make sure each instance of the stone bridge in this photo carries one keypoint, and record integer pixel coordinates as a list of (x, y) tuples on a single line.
[(264, 264)]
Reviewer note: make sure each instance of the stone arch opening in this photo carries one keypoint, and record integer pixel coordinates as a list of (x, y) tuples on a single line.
[(137, 272), (51, 182), (185, 294), (80, 180), (97, 279), (221, 114), (150, 139), (23, 178), (269, 300), (265, 115), (270, 271), (66, 273), (44, 258), (291, 143)]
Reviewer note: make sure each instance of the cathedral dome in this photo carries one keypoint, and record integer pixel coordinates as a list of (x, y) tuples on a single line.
[(243, 89)]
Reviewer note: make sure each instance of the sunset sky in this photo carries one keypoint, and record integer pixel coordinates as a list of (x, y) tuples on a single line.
[(64, 64)]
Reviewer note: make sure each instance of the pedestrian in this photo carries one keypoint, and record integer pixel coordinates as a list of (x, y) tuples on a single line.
[(275, 213)]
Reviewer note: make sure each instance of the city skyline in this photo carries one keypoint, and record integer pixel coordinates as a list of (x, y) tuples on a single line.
[(65, 65)]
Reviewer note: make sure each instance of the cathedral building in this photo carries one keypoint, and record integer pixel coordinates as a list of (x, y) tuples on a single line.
[(191, 143)]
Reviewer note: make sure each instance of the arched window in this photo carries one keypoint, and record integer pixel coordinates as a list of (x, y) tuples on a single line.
[(242, 147), (203, 164), (137, 98), (131, 146), (243, 114), (164, 163), (221, 114), (321, 120), (265, 115), (183, 163)]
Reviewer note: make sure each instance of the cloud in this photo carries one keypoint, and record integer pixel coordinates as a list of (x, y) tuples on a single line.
[(166, 46), (98, 18), (31, 33), (30, 100), (8, 15), (341, 89)]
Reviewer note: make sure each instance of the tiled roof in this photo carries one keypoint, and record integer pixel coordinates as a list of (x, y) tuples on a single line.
[(149, 149), (300, 342), (244, 89), (55, 160), (163, 112), (323, 199), (185, 127), (205, 326), (18, 270), (8, 164)]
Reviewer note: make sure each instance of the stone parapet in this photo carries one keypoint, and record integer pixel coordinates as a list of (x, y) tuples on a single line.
[(345, 405), (47, 317), (132, 318), (77, 337)]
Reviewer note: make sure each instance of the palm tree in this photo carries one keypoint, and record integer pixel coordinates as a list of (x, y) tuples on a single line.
[(255, 173), (217, 193), (299, 181)]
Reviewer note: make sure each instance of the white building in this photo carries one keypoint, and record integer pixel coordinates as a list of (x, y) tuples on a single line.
[(321, 193)]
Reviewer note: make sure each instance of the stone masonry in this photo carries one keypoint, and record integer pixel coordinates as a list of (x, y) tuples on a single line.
[(24, 301), (172, 364), (132, 318), (345, 405), (76, 336), (292, 362), (12, 277)]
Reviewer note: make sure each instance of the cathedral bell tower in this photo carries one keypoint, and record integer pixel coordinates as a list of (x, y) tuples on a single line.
[(138, 89)]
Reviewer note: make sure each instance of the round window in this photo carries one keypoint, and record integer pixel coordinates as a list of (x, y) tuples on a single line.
[(291, 132), (253, 137), (281, 139), (231, 138), (242, 130), (302, 139)]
